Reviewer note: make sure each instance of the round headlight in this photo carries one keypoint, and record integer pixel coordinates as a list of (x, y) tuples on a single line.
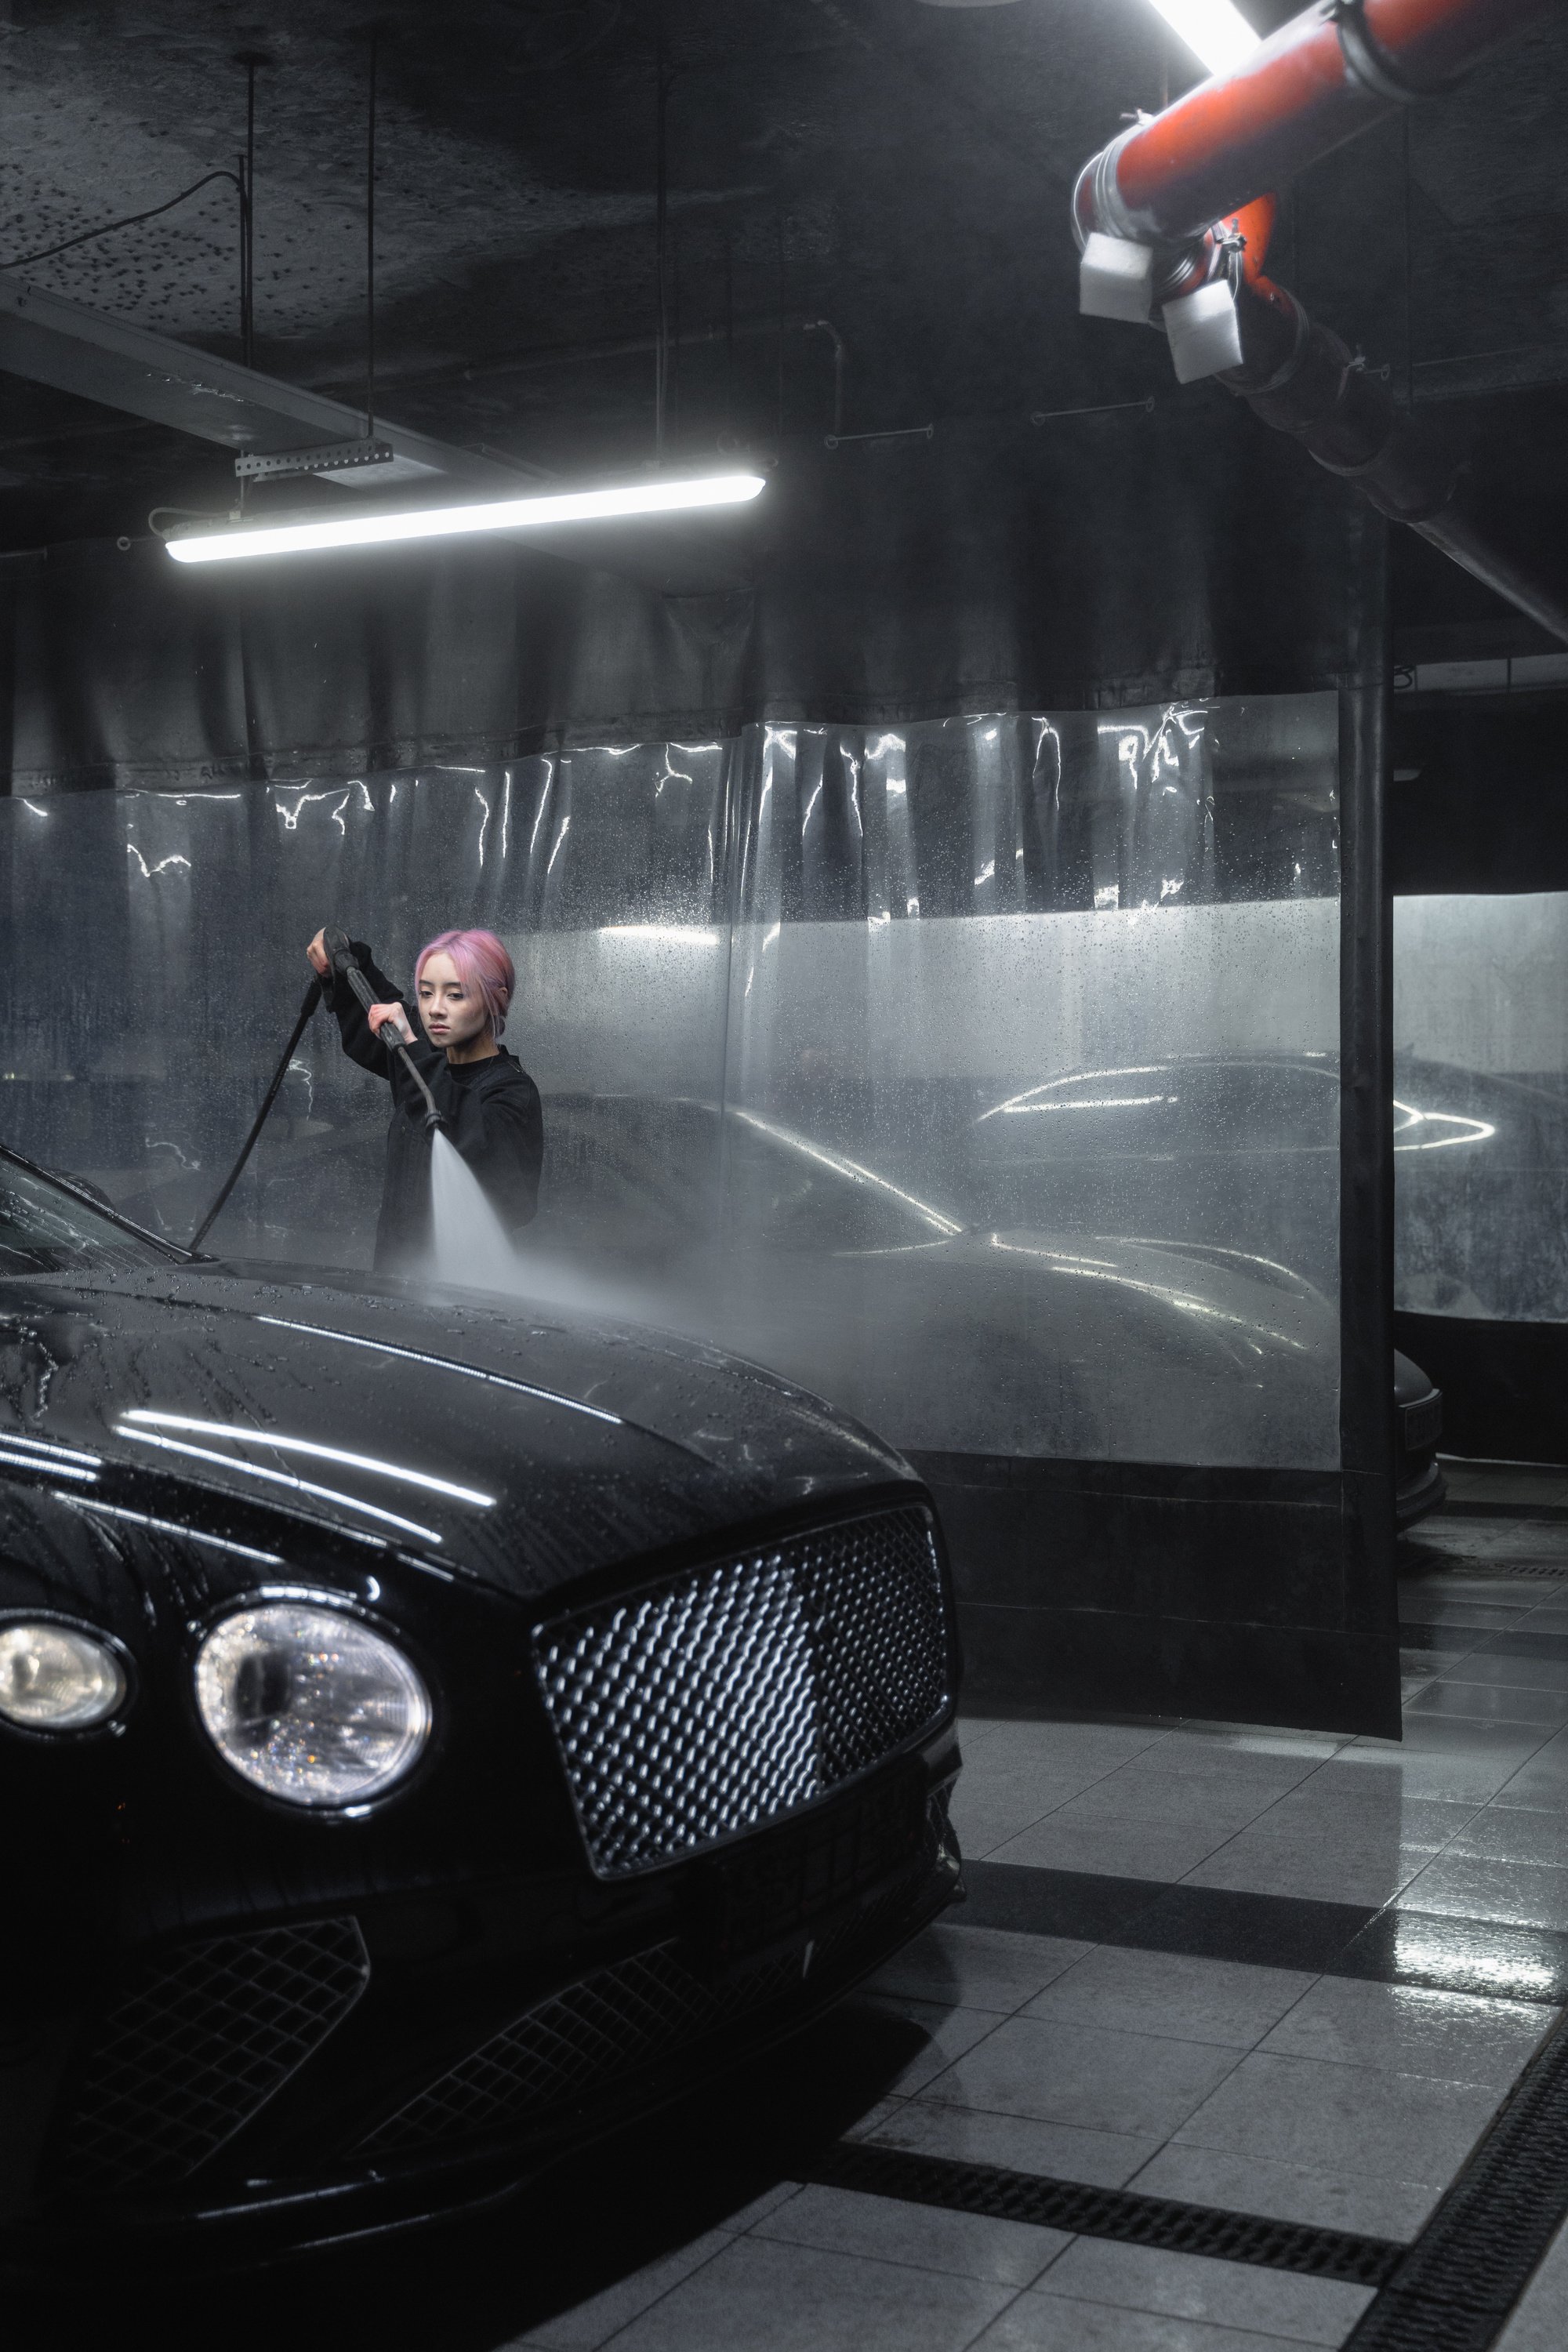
[(309, 1704), (56, 1677)]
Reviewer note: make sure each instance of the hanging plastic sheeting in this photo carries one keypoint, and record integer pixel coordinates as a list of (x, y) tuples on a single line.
[(1032, 1081), (981, 1073), (1480, 1139)]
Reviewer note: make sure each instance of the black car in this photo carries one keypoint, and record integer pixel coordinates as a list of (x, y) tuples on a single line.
[(430, 1735)]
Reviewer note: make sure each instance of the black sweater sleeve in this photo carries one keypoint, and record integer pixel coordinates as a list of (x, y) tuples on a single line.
[(358, 1043)]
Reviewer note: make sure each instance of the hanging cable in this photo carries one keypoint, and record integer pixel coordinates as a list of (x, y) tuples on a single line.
[(1409, 299), (47, 252), (370, 248), (661, 241), (250, 60)]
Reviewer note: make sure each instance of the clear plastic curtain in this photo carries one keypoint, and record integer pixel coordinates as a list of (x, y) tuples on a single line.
[(1480, 1143), (981, 1073)]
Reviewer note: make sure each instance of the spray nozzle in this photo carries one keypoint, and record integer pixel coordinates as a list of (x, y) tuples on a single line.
[(340, 954)]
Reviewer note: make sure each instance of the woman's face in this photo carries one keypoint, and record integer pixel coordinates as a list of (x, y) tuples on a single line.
[(452, 1013)]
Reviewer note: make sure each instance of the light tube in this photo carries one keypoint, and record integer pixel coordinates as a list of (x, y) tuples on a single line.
[(1218, 33), (449, 522)]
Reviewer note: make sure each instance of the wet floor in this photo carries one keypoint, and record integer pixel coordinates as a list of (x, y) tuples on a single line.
[(1266, 1974)]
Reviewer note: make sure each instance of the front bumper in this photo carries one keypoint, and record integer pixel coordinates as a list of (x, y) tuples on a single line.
[(1423, 1490), (300, 2081)]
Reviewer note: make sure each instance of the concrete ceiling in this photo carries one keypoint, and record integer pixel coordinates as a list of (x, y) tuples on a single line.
[(898, 169)]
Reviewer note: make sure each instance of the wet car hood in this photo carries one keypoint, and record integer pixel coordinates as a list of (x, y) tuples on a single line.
[(525, 1449)]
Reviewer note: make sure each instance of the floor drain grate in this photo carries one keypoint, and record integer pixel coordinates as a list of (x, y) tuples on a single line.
[(1455, 2287), (1119, 2213)]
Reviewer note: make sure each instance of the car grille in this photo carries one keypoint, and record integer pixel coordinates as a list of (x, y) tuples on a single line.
[(197, 2042), (732, 1696), (625, 2019), (1423, 1424)]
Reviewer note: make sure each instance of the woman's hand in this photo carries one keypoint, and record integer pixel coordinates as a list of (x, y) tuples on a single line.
[(392, 1017), (316, 954)]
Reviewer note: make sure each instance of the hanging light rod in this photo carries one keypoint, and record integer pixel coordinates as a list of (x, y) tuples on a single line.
[(1218, 33), (241, 540)]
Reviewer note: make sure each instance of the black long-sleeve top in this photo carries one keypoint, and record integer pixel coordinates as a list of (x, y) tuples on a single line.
[(491, 1110)]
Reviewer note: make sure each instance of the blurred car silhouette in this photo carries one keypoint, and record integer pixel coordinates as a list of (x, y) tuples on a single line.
[(952, 1335)]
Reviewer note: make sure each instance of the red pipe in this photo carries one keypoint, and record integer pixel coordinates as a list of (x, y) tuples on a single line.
[(1320, 79), (1195, 182), (1299, 377)]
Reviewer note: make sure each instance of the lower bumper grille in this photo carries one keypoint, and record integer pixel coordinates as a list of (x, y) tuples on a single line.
[(196, 2044), (624, 2020), (732, 1695)]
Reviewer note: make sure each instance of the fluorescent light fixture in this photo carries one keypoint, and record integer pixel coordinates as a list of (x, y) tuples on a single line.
[(449, 522), (1218, 33)]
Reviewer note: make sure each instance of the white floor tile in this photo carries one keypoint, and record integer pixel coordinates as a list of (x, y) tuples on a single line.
[(921, 2237), (1195, 2287), (758, 2296), (1371, 2207), (1104, 2159), (1044, 2323), (1168, 1993), (978, 1968), (1520, 1894), (1059, 2072), (1399, 2030), (1116, 1849), (948, 2034), (1330, 2117)]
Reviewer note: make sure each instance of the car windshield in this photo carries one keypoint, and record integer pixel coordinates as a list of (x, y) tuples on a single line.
[(46, 1230)]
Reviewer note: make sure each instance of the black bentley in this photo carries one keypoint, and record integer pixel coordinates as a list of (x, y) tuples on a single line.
[(430, 1735)]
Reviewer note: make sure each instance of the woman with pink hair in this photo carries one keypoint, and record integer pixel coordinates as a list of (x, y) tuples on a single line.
[(463, 984)]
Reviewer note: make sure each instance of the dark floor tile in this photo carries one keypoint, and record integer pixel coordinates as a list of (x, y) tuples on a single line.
[(1078, 1903), (1525, 1644), (1279, 1931), (1282, 1931), (1444, 1640), (1456, 1955)]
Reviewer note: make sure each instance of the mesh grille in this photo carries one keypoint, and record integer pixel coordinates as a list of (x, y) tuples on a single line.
[(198, 2043), (624, 2020), (611, 2025), (730, 1696)]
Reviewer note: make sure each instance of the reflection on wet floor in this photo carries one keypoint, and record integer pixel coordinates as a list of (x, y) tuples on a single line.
[(1279, 1974)]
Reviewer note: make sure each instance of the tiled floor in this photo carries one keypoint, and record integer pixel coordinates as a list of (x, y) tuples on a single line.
[(1426, 1884)]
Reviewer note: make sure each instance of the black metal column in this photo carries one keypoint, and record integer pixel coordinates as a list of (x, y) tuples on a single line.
[(1366, 1135)]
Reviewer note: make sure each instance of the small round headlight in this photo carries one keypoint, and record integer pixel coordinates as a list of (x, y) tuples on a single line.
[(57, 1677), (310, 1705)]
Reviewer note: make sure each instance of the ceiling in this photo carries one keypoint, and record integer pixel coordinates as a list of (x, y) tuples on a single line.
[(900, 170)]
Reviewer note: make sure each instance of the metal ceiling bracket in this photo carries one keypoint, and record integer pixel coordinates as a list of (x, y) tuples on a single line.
[(331, 459)]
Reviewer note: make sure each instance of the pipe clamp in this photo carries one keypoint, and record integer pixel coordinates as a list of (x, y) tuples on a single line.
[(1369, 63)]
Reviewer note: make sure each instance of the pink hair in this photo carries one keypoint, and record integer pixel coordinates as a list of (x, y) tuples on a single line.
[(482, 964)]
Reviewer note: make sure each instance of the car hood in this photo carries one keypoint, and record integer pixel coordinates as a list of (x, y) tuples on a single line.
[(523, 1449)]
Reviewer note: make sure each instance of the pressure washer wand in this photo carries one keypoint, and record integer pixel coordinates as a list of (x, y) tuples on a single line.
[(342, 962)]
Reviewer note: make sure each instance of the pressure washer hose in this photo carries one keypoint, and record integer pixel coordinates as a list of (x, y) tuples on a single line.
[(312, 998), (342, 962)]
